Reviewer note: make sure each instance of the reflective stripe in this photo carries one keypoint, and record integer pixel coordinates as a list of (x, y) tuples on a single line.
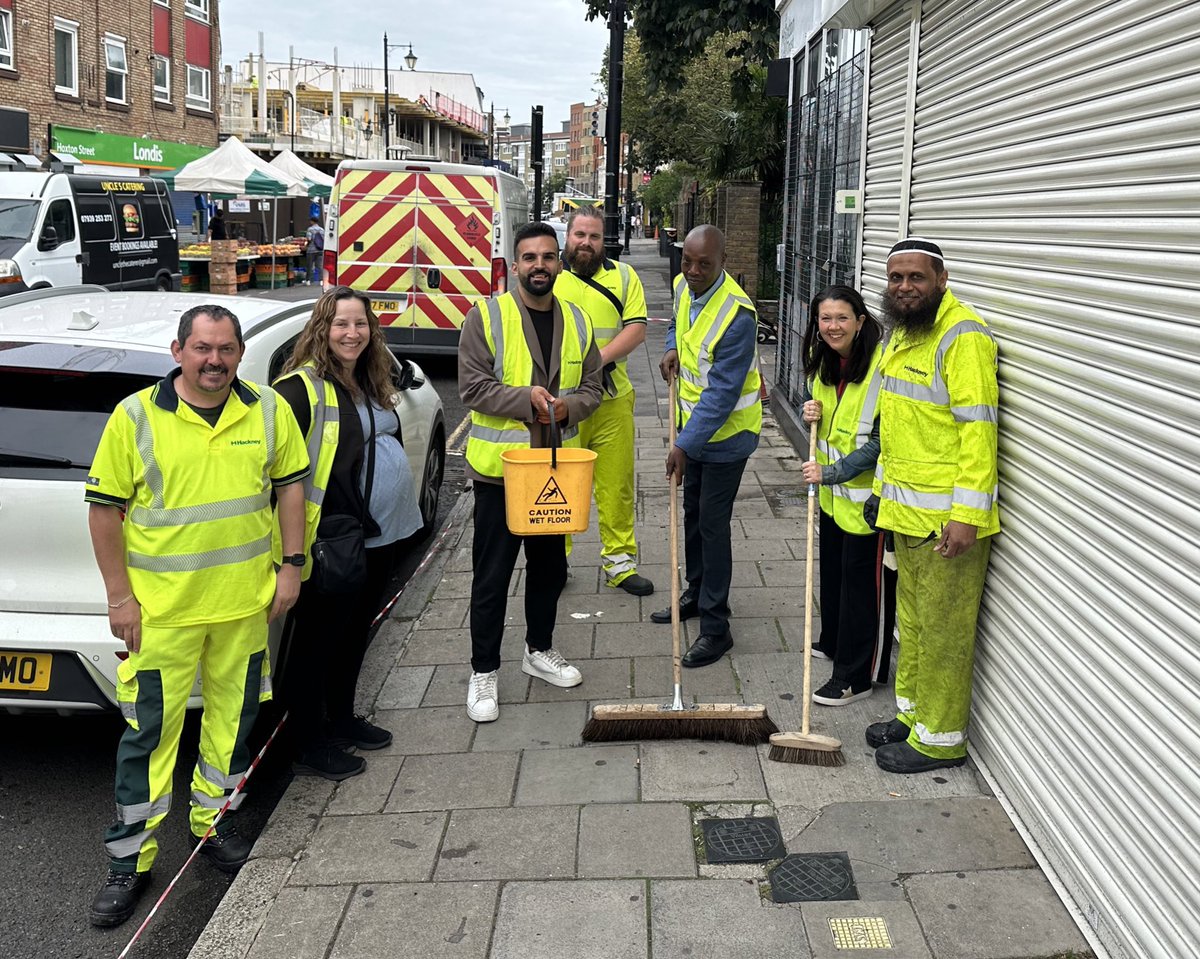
[(910, 497), (323, 413), (216, 777), (496, 324), (141, 811), (686, 406), (689, 376), (623, 271), (215, 802), (493, 435), (832, 453), (870, 407), (144, 438), (183, 515), (952, 334), (606, 332), (936, 394), (191, 562), (581, 326), (618, 563), (266, 399), (718, 325), (905, 705), (974, 414), (939, 739), (129, 711), (746, 401), (120, 848), (265, 686), (974, 499), (856, 494)]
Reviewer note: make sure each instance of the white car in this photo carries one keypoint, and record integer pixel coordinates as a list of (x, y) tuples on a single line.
[(68, 356)]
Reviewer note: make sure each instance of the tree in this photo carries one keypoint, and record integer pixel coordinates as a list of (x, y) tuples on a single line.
[(660, 194), (555, 183)]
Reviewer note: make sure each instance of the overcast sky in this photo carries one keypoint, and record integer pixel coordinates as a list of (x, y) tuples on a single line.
[(544, 52)]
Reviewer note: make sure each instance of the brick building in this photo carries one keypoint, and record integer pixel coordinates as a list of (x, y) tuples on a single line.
[(121, 86), (586, 163)]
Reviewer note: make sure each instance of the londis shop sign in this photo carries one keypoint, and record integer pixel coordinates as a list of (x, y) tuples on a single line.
[(88, 146)]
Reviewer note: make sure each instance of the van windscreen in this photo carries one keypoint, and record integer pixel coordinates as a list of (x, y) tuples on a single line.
[(17, 218)]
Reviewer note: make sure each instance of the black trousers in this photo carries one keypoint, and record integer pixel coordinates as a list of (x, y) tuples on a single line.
[(327, 638), (708, 494), (493, 557), (851, 584)]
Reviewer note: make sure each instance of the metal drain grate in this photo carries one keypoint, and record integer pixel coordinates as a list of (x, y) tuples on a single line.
[(742, 840), (860, 932), (813, 877)]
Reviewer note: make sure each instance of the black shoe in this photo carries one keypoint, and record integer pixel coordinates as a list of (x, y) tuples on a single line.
[(708, 648), (903, 758), (356, 731), (329, 762), (880, 734), (118, 897), (227, 850), (837, 693), (688, 609), (637, 585)]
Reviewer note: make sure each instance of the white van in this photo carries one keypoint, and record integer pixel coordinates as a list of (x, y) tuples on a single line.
[(425, 240), (63, 229)]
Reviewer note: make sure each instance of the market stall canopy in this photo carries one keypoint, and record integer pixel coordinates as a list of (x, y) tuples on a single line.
[(234, 170), (319, 184)]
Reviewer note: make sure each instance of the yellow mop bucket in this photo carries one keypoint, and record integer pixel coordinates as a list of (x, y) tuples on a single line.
[(548, 491)]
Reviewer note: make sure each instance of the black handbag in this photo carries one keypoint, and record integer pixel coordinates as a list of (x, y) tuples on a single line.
[(339, 552)]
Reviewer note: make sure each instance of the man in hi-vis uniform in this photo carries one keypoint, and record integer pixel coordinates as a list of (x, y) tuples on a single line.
[(611, 294), (181, 523)]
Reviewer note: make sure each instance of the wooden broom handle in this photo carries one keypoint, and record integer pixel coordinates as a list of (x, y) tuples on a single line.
[(808, 583), (676, 628)]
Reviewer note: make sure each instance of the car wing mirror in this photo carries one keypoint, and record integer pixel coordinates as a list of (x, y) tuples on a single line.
[(49, 239)]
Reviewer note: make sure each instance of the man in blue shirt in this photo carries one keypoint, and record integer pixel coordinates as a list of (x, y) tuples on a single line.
[(711, 348)]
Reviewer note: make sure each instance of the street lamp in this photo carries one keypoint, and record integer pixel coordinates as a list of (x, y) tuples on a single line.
[(410, 61), (492, 125)]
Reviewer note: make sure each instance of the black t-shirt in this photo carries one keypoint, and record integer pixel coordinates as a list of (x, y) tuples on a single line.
[(210, 414), (217, 226), (543, 326)]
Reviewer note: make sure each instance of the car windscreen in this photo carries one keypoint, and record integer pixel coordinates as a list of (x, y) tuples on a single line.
[(17, 218), (56, 398)]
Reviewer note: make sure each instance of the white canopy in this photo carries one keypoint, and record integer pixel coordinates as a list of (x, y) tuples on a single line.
[(319, 184), (234, 170)]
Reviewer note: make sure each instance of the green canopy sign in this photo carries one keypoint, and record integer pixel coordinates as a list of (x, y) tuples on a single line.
[(88, 146)]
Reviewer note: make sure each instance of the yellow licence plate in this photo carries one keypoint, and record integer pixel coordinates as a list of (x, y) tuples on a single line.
[(30, 671), (385, 306)]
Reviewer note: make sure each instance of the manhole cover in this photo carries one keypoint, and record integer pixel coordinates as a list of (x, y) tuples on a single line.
[(742, 840), (813, 877), (860, 932)]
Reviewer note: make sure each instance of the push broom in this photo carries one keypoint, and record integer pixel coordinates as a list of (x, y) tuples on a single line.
[(804, 747), (728, 722)]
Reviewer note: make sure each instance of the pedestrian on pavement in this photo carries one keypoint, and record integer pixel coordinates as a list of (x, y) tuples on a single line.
[(841, 351), (181, 523), (611, 294), (936, 481), (711, 348), (216, 226), (530, 346), (314, 250), (340, 385)]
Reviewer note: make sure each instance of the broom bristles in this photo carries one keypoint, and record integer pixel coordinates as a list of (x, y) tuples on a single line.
[(809, 749), (749, 730)]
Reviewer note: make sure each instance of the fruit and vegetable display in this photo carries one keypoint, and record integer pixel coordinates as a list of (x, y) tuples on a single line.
[(203, 251), (279, 249)]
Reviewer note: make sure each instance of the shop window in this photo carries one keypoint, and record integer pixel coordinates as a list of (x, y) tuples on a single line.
[(66, 57), (198, 89), (162, 79), (116, 70)]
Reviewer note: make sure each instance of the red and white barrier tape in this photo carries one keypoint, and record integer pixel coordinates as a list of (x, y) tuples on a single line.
[(220, 813), (433, 551)]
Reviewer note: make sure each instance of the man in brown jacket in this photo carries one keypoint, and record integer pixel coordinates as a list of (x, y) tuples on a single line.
[(525, 357)]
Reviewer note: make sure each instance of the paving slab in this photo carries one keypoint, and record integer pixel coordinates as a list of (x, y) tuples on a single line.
[(429, 647), (443, 729), (615, 640), (450, 681), (994, 914), (920, 835), (404, 688), (294, 818), (721, 919), (655, 676), (532, 842), (745, 573), (367, 792), (573, 639), (457, 781), (696, 772), (380, 848), (784, 573), (450, 615), (602, 679), (764, 601), (454, 585), (242, 911), (595, 774), (444, 920), (635, 840), (532, 726), (760, 528), (597, 919), (301, 923)]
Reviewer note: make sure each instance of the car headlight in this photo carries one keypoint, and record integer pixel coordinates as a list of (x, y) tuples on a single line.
[(10, 272)]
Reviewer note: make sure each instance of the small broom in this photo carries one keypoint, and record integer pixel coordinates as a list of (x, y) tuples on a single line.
[(805, 747), (728, 722)]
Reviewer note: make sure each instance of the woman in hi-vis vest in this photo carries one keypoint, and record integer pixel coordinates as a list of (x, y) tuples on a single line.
[(841, 352)]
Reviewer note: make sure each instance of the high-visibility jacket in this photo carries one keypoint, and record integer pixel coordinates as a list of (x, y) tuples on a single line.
[(846, 425), (607, 321), (938, 426), (697, 346), (321, 441), (504, 331), (198, 524)]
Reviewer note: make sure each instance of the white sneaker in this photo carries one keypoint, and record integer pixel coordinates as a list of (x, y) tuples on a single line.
[(548, 664), (483, 701)]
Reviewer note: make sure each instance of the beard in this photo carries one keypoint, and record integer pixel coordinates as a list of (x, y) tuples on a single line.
[(537, 283), (585, 266), (913, 316)]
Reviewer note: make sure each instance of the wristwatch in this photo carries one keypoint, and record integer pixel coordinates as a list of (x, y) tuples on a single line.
[(296, 559)]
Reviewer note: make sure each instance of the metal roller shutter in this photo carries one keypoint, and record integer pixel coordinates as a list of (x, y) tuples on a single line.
[(1057, 159), (885, 145)]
